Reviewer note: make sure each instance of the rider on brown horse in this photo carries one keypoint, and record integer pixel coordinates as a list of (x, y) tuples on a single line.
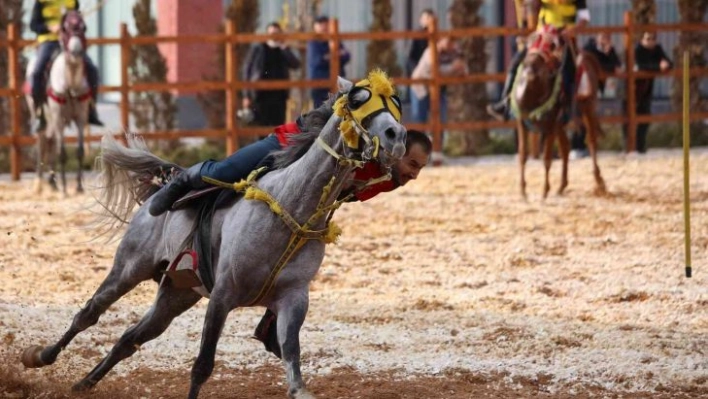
[(564, 15)]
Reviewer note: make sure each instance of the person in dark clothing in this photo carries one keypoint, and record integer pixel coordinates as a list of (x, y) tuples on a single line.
[(46, 23), (418, 46), (649, 56), (567, 16), (601, 47), (318, 60), (271, 60)]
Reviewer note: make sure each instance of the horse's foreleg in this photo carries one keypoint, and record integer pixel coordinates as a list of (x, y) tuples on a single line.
[(62, 160), (51, 151), (41, 150), (113, 287), (547, 159), (564, 147), (290, 320), (170, 303), (213, 324), (80, 155), (593, 128), (523, 155)]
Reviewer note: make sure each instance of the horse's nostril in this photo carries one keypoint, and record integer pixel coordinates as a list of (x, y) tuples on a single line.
[(390, 134)]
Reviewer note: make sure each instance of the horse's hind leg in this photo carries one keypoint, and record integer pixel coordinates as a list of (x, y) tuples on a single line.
[(564, 147), (170, 303), (113, 288), (290, 320)]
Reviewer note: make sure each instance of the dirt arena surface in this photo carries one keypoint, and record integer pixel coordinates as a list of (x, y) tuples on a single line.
[(452, 287)]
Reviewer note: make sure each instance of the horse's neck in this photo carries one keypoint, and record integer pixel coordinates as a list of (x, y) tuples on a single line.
[(300, 186), (67, 74)]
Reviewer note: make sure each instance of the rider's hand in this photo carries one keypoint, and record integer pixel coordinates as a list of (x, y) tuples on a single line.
[(664, 65), (54, 28)]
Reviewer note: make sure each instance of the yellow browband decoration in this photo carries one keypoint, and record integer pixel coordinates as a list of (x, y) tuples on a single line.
[(379, 84)]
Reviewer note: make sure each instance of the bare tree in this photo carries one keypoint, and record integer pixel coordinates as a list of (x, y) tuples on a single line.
[(382, 53), (467, 102), (691, 11), (152, 110), (245, 15), (10, 13)]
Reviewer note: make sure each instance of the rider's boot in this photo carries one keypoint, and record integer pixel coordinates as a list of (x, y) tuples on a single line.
[(500, 109), (93, 115), (185, 182)]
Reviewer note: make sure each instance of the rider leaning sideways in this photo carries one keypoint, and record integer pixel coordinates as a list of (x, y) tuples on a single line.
[(561, 14), (46, 23)]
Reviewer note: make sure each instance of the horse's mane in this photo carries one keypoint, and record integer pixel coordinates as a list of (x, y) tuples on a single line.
[(298, 144)]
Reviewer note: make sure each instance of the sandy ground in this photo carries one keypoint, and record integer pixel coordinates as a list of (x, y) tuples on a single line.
[(452, 287)]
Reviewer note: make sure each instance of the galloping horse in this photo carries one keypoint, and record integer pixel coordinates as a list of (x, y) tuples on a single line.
[(266, 254), (68, 100), (536, 103)]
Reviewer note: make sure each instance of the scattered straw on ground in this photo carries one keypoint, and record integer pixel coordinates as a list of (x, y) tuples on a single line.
[(451, 287)]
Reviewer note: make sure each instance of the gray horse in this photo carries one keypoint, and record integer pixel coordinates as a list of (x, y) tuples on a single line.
[(249, 237)]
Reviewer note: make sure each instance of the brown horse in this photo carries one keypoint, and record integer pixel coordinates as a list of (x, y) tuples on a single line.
[(533, 101)]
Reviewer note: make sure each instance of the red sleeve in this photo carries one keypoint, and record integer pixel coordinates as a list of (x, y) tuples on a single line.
[(282, 132), (372, 170)]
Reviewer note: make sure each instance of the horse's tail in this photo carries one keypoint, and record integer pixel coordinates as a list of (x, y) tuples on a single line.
[(129, 175)]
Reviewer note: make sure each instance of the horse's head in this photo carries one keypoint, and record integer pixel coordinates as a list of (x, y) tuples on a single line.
[(535, 82), (371, 118), (73, 33)]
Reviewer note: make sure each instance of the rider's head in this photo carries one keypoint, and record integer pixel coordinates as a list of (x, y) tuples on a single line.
[(418, 149)]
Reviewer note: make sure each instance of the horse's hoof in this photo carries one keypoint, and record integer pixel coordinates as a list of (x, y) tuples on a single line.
[(301, 394), (79, 190), (31, 357), (83, 385)]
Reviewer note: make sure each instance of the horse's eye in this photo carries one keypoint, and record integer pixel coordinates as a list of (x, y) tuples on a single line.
[(397, 102), (358, 96)]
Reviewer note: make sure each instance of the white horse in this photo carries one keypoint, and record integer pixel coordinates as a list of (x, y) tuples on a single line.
[(68, 96)]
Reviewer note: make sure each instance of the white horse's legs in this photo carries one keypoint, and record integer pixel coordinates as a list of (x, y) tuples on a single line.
[(290, 320), (80, 154)]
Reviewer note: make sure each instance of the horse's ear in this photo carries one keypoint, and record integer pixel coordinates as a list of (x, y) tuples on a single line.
[(344, 85)]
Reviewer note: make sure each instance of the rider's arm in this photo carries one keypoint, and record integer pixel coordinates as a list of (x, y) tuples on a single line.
[(37, 23)]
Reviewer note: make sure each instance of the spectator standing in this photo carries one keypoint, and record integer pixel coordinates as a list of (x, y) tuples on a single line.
[(318, 58), (451, 63), (601, 47), (418, 46), (648, 56), (271, 60)]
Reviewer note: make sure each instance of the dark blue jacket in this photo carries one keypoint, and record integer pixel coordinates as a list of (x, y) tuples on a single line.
[(318, 59)]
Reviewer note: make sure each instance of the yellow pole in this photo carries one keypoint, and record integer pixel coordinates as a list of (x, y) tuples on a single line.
[(686, 146)]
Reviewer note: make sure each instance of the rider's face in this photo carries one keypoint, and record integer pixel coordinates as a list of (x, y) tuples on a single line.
[(410, 165)]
